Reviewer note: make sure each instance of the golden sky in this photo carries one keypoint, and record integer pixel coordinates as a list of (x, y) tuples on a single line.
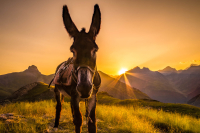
[(144, 33)]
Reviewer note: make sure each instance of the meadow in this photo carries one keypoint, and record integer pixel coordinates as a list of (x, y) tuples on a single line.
[(113, 116)]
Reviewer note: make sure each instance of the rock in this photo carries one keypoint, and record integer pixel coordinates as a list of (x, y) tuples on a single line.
[(9, 121), (9, 114), (55, 129), (3, 117), (20, 116), (11, 117)]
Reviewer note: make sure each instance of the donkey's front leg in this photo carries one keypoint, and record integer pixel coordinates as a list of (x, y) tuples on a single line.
[(77, 116), (92, 125), (58, 106)]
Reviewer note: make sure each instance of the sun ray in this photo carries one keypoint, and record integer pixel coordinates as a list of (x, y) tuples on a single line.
[(140, 76), (129, 88), (126, 90), (113, 83), (130, 73)]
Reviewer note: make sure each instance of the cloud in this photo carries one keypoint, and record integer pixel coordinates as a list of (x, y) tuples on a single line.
[(182, 62), (196, 61), (193, 61)]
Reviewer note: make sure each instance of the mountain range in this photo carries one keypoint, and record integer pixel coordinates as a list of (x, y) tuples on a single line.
[(12, 83), (186, 81), (154, 84), (167, 85), (118, 89)]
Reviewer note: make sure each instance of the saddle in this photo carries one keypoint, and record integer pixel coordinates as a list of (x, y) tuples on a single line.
[(63, 75)]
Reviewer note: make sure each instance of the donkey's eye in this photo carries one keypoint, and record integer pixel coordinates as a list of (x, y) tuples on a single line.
[(95, 50), (73, 52)]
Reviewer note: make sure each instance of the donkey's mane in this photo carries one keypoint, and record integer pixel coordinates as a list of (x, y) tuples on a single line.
[(83, 30)]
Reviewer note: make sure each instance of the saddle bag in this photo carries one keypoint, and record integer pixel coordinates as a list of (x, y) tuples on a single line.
[(63, 75)]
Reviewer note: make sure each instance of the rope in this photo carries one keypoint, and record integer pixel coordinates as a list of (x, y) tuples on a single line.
[(86, 109), (87, 112)]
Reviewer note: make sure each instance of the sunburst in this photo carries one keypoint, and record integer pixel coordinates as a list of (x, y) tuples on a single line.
[(122, 71)]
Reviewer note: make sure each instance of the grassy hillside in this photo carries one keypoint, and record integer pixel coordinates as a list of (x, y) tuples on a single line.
[(195, 101), (183, 109), (33, 92), (39, 92), (4, 94), (113, 115)]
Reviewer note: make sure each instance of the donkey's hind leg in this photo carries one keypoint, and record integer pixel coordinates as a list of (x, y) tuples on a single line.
[(58, 106)]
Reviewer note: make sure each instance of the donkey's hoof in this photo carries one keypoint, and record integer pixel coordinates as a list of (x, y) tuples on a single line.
[(55, 129)]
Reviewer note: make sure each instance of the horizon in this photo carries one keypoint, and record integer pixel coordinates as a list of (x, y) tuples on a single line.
[(108, 73), (152, 34)]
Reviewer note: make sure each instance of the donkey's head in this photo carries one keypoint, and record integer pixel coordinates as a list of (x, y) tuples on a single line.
[(84, 50)]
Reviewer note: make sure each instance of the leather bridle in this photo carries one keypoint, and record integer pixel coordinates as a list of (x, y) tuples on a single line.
[(75, 72)]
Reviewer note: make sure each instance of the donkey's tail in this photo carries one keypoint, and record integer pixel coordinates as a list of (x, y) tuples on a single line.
[(50, 83)]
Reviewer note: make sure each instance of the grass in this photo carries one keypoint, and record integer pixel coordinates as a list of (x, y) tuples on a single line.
[(167, 121), (136, 119), (120, 119), (34, 114), (116, 116), (182, 109)]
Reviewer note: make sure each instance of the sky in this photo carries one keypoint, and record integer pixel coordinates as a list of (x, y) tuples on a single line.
[(144, 33)]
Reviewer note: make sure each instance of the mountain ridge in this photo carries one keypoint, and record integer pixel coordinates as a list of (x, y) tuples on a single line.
[(152, 83), (168, 70), (13, 81), (21, 80), (118, 89), (187, 80), (149, 82)]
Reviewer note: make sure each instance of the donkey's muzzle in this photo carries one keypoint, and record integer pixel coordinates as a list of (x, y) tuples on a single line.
[(84, 90), (84, 83)]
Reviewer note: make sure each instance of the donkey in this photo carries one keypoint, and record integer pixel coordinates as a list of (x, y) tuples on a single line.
[(86, 77)]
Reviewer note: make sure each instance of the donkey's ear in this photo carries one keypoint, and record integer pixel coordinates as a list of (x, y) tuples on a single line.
[(96, 22), (69, 24)]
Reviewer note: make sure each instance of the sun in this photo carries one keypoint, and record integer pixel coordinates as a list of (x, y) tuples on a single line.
[(123, 70)]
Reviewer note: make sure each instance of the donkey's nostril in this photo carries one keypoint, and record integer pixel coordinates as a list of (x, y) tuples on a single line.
[(84, 90), (84, 87)]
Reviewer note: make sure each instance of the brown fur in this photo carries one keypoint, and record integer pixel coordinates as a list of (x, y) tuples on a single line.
[(84, 50)]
